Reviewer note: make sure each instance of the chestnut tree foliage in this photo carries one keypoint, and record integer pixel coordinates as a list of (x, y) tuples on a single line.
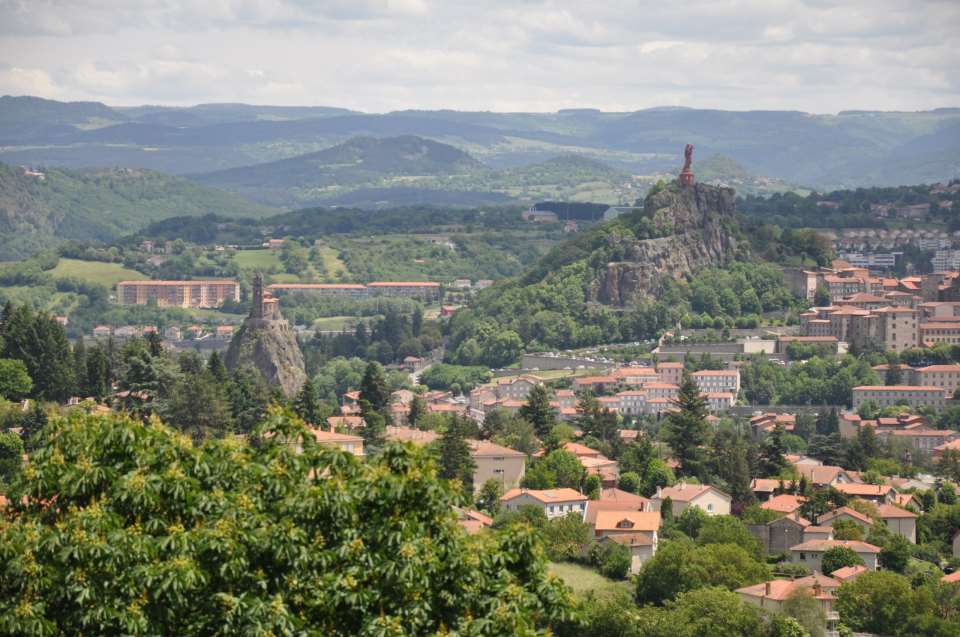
[(116, 527)]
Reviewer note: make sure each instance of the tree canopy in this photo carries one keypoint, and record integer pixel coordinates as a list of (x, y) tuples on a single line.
[(128, 528)]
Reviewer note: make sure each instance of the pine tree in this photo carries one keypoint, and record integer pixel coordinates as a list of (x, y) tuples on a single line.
[(374, 426), (538, 412), (772, 460), (456, 462), (417, 413), (96, 382), (416, 322), (894, 374), (80, 367), (306, 404), (217, 368), (373, 388), (154, 344), (687, 429), (32, 425)]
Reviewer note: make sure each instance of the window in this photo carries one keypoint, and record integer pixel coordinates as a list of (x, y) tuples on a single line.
[(709, 507)]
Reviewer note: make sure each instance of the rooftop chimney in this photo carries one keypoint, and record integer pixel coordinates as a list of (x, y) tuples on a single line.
[(766, 589)]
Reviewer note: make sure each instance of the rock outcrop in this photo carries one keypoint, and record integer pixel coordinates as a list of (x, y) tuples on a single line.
[(695, 225), (266, 341)]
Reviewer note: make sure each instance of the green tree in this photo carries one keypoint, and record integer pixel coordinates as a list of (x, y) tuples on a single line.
[(248, 397), (566, 537), (128, 530), (680, 566), (726, 529), (895, 553), (877, 602), (11, 457), (611, 559), (538, 412), (687, 429), (489, 497), (803, 607), (374, 427), (96, 374), (839, 557), (373, 388), (847, 530), (821, 297), (566, 467), (592, 486), (772, 460), (307, 406), (630, 481), (15, 382), (455, 460), (198, 406), (217, 368), (417, 413)]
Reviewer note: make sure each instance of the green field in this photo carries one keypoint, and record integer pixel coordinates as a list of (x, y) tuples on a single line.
[(334, 323), (108, 274), (258, 260), (584, 580), (331, 261)]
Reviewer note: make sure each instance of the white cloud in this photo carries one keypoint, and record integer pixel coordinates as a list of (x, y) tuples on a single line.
[(378, 55)]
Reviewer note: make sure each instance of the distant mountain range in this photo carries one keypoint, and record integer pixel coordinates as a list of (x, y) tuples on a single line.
[(41, 208), (824, 151), (411, 170)]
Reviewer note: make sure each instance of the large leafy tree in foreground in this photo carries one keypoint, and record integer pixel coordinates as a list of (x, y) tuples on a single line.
[(123, 528)]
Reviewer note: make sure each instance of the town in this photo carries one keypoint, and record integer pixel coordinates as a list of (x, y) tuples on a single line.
[(418, 318)]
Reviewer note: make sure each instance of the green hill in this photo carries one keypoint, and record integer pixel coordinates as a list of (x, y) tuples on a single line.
[(359, 162), (39, 210), (405, 170), (722, 170)]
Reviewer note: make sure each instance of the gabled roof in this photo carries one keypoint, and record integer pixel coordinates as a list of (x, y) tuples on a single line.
[(629, 539), (848, 573), (779, 590), (862, 490), (819, 474), (783, 503), (951, 578), (816, 546), (546, 496), (764, 485), (643, 521), (625, 498), (889, 511), (485, 448), (853, 513), (687, 492)]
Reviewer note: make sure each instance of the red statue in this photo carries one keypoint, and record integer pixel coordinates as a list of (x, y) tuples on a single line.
[(686, 175)]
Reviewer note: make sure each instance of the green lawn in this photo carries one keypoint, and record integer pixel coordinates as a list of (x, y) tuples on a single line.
[(584, 580), (108, 274), (331, 261), (331, 323), (258, 260)]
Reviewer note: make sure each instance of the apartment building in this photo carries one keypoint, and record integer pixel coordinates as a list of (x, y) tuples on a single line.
[(717, 380), (351, 290), (197, 294), (916, 396), (670, 372), (425, 290), (897, 328), (940, 332), (946, 377)]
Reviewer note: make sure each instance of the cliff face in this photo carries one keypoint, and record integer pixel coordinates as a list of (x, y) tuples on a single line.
[(270, 346), (697, 220), (266, 341)]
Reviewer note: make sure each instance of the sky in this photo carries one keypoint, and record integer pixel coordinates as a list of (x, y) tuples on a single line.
[(817, 56)]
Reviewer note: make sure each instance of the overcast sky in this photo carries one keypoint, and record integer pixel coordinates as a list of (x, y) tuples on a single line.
[(505, 55)]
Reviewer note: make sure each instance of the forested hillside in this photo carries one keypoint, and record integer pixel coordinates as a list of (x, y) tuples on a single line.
[(392, 171), (680, 258), (41, 208)]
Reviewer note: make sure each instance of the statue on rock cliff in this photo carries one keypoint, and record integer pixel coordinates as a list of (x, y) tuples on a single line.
[(686, 175), (266, 342)]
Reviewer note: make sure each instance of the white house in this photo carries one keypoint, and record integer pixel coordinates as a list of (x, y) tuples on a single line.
[(713, 501), (554, 503)]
